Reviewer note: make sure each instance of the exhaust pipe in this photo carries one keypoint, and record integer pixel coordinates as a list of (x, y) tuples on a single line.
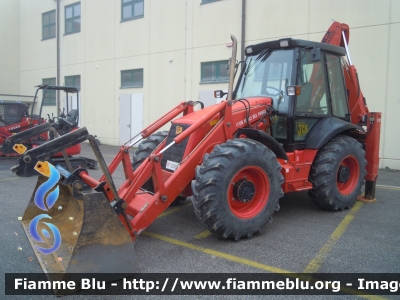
[(232, 68)]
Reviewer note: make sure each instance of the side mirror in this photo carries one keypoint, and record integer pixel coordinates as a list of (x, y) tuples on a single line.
[(219, 94), (316, 54), (229, 63)]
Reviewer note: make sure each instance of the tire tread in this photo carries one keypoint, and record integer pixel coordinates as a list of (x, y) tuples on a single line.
[(206, 188)]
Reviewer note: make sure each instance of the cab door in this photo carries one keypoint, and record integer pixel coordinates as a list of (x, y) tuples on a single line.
[(323, 93), (313, 102)]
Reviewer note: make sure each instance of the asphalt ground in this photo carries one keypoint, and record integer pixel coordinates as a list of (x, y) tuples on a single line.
[(301, 238)]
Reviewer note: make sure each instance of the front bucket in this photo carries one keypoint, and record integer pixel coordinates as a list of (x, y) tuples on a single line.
[(93, 239)]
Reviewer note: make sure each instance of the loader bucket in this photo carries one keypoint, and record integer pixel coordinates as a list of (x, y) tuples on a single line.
[(92, 237)]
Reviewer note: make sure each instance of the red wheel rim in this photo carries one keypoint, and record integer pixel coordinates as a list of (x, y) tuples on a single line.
[(347, 187), (254, 177)]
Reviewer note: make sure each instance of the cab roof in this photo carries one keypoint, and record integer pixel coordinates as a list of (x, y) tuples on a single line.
[(68, 89), (289, 43)]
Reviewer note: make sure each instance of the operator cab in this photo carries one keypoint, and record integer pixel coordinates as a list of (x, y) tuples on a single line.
[(12, 113), (62, 120), (305, 81)]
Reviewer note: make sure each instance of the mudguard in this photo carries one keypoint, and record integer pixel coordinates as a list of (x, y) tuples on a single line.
[(326, 129)]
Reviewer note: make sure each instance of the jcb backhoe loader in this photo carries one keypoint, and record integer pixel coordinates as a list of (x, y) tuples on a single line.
[(296, 120)]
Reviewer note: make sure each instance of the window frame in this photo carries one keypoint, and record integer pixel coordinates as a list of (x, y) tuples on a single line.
[(208, 1), (73, 18), (50, 94), (217, 64), (131, 3), (49, 25), (132, 72), (337, 100), (73, 77), (326, 96)]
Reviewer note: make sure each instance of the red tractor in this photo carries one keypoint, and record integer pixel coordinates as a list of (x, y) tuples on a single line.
[(296, 120), (15, 118)]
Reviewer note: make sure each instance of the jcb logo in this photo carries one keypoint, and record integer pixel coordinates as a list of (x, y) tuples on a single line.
[(178, 130), (302, 128)]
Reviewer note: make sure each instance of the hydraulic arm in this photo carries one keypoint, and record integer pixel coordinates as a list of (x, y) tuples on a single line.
[(338, 34)]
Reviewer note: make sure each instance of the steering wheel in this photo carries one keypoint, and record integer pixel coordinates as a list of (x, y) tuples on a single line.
[(278, 91)]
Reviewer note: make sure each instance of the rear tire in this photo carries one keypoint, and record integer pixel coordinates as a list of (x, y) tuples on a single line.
[(237, 188), (337, 173), (145, 148)]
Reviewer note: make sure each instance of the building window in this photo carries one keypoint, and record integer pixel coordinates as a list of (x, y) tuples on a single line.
[(215, 71), (73, 18), (50, 97), (132, 78), (132, 9), (74, 81), (207, 1), (49, 25)]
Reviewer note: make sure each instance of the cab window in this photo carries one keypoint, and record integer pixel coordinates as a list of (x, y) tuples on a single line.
[(268, 74), (336, 86), (312, 81)]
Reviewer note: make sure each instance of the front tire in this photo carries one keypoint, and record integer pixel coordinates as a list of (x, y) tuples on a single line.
[(145, 148), (337, 173), (237, 188)]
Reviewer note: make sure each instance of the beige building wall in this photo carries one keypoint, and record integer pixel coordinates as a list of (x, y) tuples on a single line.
[(9, 45), (175, 36)]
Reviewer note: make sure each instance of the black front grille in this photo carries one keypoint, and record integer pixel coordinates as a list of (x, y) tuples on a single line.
[(12, 113)]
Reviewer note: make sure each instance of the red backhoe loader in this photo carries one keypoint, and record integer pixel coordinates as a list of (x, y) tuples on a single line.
[(296, 120)]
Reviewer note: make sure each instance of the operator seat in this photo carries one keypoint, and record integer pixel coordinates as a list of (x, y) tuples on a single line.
[(72, 117)]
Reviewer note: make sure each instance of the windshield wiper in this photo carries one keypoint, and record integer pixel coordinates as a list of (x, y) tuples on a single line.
[(245, 74), (261, 57), (264, 55)]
